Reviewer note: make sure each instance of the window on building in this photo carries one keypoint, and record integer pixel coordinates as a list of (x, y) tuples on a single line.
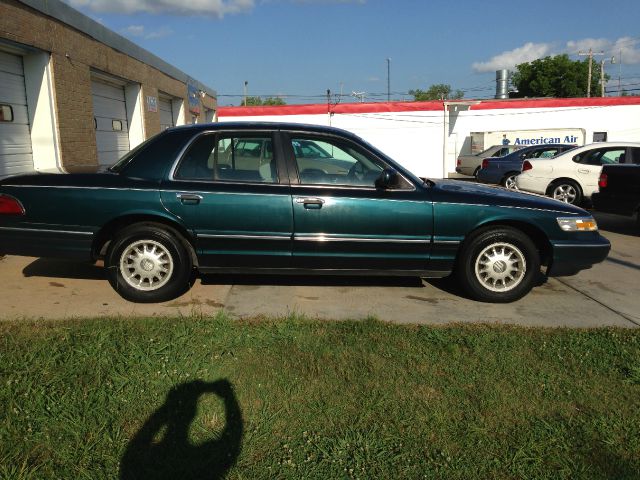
[(6, 113), (599, 136)]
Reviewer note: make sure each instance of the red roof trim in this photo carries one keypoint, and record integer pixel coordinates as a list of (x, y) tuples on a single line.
[(388, 107)]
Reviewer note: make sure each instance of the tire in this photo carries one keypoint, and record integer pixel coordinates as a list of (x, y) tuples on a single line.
[(484, 260), (475, 173), (148, 263), (566, 191), (509, 180)]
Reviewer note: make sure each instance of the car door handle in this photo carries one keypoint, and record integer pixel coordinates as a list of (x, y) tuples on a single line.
[(189, 198), (310, 202)]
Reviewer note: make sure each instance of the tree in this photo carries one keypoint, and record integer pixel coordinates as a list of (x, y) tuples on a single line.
[(439, 91), (557, 76), (258, 101)]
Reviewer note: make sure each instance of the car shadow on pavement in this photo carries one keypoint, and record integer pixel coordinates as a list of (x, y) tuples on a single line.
[(311, 280), (47, 267), (161, 449)]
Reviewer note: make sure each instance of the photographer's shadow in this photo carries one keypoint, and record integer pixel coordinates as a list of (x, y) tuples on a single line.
[(173, 455)]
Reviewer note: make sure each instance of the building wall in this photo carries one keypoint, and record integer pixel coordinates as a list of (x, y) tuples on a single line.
[(73, 56)]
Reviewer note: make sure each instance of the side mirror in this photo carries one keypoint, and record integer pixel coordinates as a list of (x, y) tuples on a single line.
[(387, 179)]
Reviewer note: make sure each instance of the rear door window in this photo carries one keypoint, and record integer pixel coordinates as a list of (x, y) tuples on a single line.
[(601, 156), (230, 158)]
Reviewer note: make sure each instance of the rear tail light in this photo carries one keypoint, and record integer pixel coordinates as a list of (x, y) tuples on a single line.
[(10, 206), (485, 163), (526, 166), (603, 180)]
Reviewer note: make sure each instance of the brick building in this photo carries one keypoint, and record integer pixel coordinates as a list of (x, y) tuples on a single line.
[(75, 95)]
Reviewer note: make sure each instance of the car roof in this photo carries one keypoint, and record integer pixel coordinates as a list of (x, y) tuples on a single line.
[(249, 125)]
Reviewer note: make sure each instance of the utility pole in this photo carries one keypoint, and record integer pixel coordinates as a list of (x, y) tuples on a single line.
[(613, 60), (589, 54), (246, 83), (620, 74), (388, 79)]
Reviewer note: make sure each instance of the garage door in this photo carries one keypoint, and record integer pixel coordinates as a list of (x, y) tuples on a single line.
[(15, 138), (112, 130), (166, 113)]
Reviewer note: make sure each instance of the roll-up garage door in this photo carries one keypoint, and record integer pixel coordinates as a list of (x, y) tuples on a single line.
[(110, 111), (15, 138), (166, 113)]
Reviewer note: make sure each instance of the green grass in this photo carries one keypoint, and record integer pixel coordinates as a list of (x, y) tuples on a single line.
[(294, 398)]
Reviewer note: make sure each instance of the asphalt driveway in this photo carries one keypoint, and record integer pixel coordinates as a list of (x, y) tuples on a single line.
[(606, 295)]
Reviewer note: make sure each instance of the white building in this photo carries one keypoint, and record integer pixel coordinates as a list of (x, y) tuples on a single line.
[(427, 137)]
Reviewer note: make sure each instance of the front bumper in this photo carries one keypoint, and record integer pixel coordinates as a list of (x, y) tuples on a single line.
[(570, 257)]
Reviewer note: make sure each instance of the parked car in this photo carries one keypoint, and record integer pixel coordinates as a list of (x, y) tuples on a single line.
[(470, 164), (572, 177), (243, 198), (503, 170), (619, 190)]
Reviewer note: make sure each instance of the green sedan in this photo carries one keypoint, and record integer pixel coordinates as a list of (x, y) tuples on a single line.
[(274, 198)]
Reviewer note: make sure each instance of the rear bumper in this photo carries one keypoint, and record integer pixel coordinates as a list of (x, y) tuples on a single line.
[(618, 204), (488, 176), (40, 242), (529, 183), (571, 257)]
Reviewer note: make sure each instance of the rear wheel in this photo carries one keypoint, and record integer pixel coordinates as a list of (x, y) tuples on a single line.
[(566, 191), (509, 180), (498, 264), (148, 263), (475, 172)]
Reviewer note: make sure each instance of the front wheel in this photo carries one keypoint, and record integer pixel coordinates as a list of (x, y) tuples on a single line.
[(498, 265), (148, 263)]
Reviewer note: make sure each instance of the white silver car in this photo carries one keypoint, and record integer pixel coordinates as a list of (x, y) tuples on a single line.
[(573, 176)]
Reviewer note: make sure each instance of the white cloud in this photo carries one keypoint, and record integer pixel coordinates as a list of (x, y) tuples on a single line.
[(509, 59), (628, 46), (134, 30), (597, 44), (628, 49), (139, 31), (215, 8)]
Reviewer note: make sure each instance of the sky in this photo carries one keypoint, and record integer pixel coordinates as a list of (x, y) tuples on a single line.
[(298, 49)]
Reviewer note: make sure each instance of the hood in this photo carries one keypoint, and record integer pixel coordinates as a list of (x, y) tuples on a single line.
[(473, 192)]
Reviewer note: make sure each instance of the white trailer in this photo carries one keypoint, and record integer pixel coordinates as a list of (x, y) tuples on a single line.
[(483, 140)]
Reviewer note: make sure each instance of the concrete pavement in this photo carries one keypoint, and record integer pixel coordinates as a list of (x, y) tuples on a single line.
[(606, 295)]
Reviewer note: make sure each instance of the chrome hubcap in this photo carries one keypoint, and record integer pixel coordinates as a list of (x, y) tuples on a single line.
[(500, 267), (565, 193), (146, 265), (510, 183)]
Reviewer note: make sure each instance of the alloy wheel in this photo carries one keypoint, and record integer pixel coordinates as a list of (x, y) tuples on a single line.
[(500, 267), (565, 193), (146, 265)]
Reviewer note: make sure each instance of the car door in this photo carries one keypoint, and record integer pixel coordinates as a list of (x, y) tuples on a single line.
[(231, 190), (341, 220), (589, 165)]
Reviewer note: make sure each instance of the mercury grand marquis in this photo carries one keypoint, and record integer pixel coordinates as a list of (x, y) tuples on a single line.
[(289, 199)]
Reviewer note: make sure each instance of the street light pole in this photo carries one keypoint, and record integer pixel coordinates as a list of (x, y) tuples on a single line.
[(246, 83)]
